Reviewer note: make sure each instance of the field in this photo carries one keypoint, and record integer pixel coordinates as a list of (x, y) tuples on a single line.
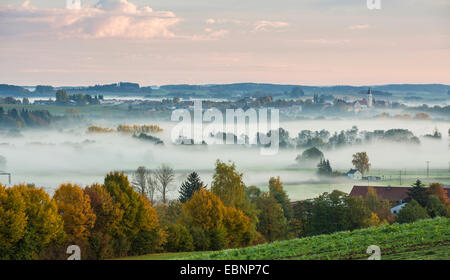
[(426, 239)]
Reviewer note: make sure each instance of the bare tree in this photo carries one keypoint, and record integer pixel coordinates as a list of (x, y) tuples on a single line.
[(140, 179), (165, 175), (152, 185)]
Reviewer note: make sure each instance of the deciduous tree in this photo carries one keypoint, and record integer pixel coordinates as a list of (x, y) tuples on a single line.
[(361, 162)]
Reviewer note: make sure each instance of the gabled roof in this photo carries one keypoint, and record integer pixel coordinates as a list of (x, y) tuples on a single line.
[(385, 192), (352, 171)]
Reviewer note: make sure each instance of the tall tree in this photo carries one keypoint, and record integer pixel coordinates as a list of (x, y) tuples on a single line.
[(439, 191), (361, 162), (276, 190), (44, 224), (13, 219), (107, 224), (140, 180), (272, 223), (139, 229), (227, 184), (152, 186), (324, 168), (75, 208), (165, 176), (418, 192), (191, 185)]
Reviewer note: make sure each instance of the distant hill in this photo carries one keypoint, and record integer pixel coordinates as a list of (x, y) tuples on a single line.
[(240, 88), (227, 90), (10, 90)]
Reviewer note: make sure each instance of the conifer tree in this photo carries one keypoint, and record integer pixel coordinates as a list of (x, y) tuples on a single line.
[(189, 187)]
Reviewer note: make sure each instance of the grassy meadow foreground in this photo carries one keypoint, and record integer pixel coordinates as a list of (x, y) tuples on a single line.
[(422, 240)]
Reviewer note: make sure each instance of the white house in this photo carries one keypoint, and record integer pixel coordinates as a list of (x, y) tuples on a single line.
[(354, 174)]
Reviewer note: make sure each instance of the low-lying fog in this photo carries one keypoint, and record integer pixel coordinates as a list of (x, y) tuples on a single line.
[(50, 157)]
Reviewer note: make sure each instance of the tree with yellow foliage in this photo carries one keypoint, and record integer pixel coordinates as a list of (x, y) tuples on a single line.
[(139, 231), (214, 225), (44, 225), (205, 210), (75, 208), (29, 222), (373, 220), (240, 230), (381, 208), (228, 186), (13, 219)]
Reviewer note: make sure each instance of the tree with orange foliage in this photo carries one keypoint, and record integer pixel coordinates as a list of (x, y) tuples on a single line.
[(439, 191), (215, 226), (240, 229), (75, 208), (107, 222)]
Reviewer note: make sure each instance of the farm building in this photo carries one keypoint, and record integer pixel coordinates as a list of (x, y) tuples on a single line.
[(354, 174)]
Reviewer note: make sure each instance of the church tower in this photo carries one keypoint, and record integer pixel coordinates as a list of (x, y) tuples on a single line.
[(369, 98)]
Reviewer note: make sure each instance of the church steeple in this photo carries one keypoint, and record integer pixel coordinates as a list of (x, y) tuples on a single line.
[(369, 98)]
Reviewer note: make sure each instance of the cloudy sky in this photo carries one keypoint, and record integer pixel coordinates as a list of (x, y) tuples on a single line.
[(312, 42)]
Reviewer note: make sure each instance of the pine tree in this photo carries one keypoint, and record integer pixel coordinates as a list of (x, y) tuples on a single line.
[(324, 167), (191, 185), (418, 192)]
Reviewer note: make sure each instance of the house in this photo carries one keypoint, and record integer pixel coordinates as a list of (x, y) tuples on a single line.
[(354, 174), (396, 209), (372, 178)]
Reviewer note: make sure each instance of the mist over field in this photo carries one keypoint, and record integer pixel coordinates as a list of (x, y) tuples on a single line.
[(48, 158)]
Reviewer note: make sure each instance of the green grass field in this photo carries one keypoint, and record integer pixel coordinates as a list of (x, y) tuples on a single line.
[(422, 240)]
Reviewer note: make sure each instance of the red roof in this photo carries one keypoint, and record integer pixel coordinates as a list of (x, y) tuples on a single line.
[(385, 193)]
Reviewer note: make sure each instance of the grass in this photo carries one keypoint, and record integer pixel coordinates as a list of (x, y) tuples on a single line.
[(164, 256), (435, 253), (426, 239)]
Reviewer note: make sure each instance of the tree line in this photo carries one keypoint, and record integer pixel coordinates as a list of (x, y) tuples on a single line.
[(121, 218), (24, 118)]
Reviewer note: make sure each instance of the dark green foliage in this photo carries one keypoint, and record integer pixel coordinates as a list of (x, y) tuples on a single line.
[(272, 223), (24, 118), (412, 212), (435, 207), (179, 239), (418, 192), (201, 238), (218, 239), (191, 185), (329, 213), (324, 168), (150, 138), (310, 154)]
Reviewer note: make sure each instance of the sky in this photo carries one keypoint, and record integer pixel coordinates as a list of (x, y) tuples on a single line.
[(156, 42)]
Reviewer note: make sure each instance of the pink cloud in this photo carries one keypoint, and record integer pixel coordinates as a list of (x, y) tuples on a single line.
[(265, 25), (108, 18), (358, 27)]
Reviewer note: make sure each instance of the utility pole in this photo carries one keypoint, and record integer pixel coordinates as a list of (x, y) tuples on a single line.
[(400, 177), (428, 168)]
